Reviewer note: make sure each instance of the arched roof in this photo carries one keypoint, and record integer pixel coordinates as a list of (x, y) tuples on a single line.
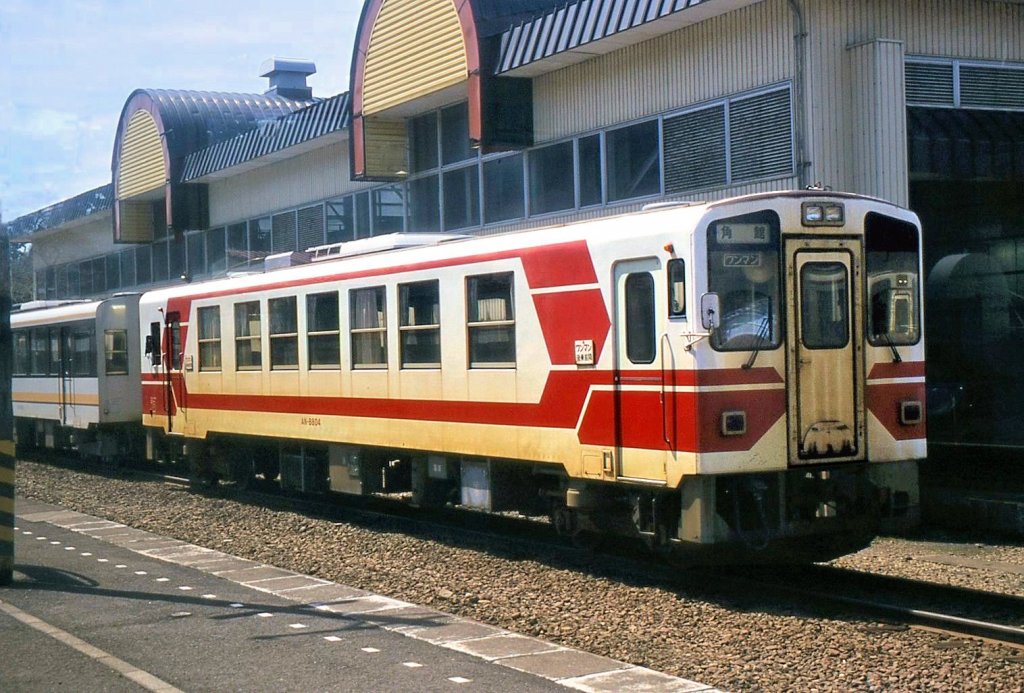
[(158, 128)]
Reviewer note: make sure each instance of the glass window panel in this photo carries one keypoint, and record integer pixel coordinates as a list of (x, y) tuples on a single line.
[(893, 282), (22, 352), (62, 282), (55, 365), (113, 271), (238, 245), (128, 267), (248, 348), (640, 318), (420, 317), (633, 161), (362, 201), (551, 179), (824, 305), (322, 326), (159, 263), (175, 258), (340, 222), (388, 210), (143, 265), (209, 338), (84, 349), (590, 170), (491, 321), (503, 189), (423, 143), (115, 352), (216, 255), (99, 275), (74, 280), (368, 327), (260, 233), (677, 288), (311, 226), (285, 229), (284, 333), (455, 145), (424, 208), (462, 198)]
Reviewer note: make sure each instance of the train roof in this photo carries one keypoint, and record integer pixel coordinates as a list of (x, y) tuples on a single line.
[(51, 312)]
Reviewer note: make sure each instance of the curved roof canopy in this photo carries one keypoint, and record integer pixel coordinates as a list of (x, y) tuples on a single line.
[(157, 130), (412, 56)]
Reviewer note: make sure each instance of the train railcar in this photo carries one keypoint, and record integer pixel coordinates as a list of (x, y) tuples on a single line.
[(75, 384), (738, 377)]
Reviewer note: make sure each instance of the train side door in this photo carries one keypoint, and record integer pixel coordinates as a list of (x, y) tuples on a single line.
[(174, 383), (639, 409), (824, 334)]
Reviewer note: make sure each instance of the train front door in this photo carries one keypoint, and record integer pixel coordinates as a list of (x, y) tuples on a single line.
[(639, 408), (824, 335)]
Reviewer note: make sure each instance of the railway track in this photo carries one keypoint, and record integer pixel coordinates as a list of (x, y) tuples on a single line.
[(816, 590)]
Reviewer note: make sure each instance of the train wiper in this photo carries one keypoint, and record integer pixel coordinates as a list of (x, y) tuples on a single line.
[(759, 341), (896, 358)]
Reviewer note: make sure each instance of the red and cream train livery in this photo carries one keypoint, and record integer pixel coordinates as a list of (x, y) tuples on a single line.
[(745, 374)]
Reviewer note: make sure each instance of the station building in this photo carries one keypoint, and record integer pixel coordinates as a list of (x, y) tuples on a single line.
[(488, 116)]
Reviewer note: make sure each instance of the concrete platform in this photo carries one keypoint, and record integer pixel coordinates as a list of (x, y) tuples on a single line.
[(99, 606)]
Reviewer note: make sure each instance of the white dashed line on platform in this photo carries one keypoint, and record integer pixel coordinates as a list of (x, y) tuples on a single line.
[(370, 650), (459, 679), (332, 638), (412, 665)]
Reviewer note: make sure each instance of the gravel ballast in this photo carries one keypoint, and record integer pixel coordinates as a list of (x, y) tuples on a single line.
[(591, 603)]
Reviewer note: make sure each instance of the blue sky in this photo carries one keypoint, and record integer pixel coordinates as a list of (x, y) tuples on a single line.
[(68, 66)]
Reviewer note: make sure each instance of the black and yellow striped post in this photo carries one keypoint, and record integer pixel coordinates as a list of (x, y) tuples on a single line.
[(6, 417)]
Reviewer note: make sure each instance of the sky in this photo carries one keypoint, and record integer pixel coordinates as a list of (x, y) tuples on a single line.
[(67, 68)]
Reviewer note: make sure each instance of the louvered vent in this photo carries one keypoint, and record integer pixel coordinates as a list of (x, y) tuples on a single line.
[(695, 150), (928, 84), (311, 227), (991, 87), (761, 136), (283, 238)]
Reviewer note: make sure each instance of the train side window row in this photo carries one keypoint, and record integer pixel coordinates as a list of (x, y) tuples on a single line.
[(67, 350), (490, 325)]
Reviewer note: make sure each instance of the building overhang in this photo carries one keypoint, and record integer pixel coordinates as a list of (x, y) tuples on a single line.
[(411, 56)]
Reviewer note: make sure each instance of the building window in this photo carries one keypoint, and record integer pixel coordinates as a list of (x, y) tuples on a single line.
[(551, 181), (113, 271), (143, 267), (491, 321), (640, 318), (284, 232), (323, 334), (127, 268), (238, 245), (284, 333), (160, 267), (420, 324), (209, 339), (175, 259), (590, 176), (503, 189), (455, 145), (216, 257), (369, 328), (388, 210), (695, 150), (260, 237), (633, 161), (340, 223), (423, 143), (424, 207), (115, 352), (311, 227), (248, 349), (462, 198)]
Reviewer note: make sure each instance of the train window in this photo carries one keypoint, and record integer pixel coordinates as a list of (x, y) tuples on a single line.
[(824, 303), (420, 324), (640, 318), (369, 328), (323, 333), (677, 288), (22, 352), (743, 269), (83, 363), (115, 352), (248, 345), (209, 338), (40, 351), (284, 334), (174, 328), (491, 321), (55, 368), (893, 283)]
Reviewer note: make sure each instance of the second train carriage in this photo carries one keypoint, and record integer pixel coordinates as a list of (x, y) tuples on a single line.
[(742, 375), (76, 376)]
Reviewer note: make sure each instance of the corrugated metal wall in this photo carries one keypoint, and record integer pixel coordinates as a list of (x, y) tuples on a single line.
[(878, 119), (142, 166), (722, 56), (416, 48), (976, 29), (317, 175)]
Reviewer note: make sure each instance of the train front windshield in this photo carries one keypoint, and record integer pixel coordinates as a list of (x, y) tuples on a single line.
[(744, 269)]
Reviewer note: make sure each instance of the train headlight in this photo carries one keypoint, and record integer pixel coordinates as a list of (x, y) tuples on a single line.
[(734, 423), (823, 214), (911, 412)]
